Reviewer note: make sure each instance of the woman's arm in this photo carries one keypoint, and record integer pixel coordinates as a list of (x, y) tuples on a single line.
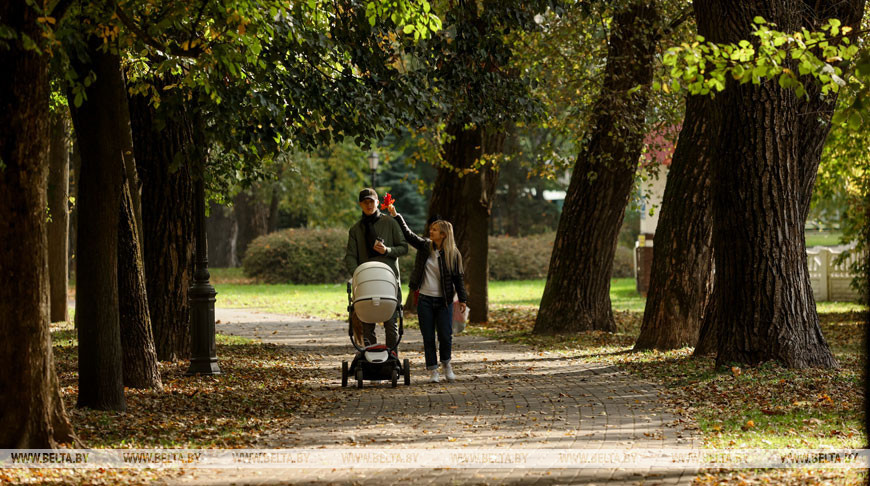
[(458, 281), (410, 236)]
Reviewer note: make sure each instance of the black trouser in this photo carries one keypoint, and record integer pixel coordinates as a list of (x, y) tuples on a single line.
[(391, 329)]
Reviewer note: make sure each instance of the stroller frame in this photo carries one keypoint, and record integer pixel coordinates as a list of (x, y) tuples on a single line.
[(362, 367)]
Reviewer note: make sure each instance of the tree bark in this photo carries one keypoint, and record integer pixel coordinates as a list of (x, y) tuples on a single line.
[(101, 384), (764, 304), (252, 217), (577, 293), (76, 169), (221, 229), (32, 413), (681, 279), (466, 201), (160, 140), (137, 339), (708, 341), (58, 207)]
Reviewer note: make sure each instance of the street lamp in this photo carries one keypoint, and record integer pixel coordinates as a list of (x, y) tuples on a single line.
[(203, 355), (373, 165)]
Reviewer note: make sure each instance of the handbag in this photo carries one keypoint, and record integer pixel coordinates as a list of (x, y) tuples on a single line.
[(459, 317)]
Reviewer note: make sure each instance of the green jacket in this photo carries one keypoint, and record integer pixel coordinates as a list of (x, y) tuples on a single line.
[(385, 227)]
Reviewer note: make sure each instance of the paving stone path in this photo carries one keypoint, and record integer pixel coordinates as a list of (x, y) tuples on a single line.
[(506, 396)]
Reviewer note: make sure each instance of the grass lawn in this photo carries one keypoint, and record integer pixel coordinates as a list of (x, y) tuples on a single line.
[(823, 238)]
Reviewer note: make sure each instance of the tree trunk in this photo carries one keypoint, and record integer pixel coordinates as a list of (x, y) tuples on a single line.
[(764, 304), (160, 140), (274, 200), (466, 202), (222, 229), (577, 293), (681, 277), (137, 339), (58, 208), (708, 337), (32, 413), (101, 384), (131, 175), (75, 161), (252, 217)]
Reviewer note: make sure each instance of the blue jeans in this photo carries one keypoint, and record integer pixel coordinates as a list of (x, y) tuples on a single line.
[(435, 317)]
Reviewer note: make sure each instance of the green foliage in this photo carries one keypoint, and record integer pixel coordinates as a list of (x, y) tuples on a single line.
[(520, 258), (304, 256), (828, 57), (528, 258), (298, 256), (316, 256)]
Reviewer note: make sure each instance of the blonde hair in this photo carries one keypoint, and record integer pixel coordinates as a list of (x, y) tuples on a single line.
[(451, 252)]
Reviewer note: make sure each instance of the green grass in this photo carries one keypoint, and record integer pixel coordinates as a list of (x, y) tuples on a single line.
[(823, 238), (329, 301)]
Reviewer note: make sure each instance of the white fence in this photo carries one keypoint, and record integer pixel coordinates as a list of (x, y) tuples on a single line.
[(831, 281)]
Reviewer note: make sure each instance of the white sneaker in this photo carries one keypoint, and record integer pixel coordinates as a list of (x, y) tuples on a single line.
[(448, 372), (435, 378)]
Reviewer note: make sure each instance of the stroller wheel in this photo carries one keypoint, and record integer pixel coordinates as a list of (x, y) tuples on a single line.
[(406, 370), (394, 376), (344, 373), (359, 378)]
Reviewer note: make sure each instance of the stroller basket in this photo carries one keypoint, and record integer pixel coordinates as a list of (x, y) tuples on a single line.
[(375, 292)]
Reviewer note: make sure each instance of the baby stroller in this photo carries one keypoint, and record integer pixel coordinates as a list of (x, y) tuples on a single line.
[(374, 294)]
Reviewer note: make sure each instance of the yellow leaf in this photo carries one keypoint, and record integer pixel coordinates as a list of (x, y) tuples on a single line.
[(750, 424), (242, 29)]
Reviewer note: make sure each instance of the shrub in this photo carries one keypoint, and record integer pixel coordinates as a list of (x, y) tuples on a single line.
[(623, 262), (520, 258), (304, 256), (314, 256)]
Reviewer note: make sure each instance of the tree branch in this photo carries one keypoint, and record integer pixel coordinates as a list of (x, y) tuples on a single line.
[(148, 39), (60, 9), (676, 23)]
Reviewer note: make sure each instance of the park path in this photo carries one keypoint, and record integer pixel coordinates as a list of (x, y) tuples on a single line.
[(506, 396)]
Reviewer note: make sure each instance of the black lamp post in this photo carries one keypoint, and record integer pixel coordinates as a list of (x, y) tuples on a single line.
[(373, 165), (203, 355)]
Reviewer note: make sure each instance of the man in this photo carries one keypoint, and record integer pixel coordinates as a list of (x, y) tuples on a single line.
[(375, 237)]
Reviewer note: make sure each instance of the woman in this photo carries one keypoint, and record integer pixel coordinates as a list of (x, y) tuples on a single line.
[(435, 279)]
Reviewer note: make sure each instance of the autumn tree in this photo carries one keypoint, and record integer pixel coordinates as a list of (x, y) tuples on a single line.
[(577, 293), (58, 208), (764, 303), (32, 412)]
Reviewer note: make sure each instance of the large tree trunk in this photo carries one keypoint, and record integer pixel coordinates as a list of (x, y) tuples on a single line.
[(137, 339), (32, 413), (764, 303), (681, 279), (221, 229), (577, 293), (252, 217), (466, 202), (101, 384), (58, 207), (167, 219)]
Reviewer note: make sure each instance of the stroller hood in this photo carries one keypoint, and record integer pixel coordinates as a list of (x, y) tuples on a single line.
[(375, 292)]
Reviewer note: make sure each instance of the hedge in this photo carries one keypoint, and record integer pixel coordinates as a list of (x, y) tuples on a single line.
[(311, 256)]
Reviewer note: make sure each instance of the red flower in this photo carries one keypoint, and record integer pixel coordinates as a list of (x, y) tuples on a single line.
[(388, 200)]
